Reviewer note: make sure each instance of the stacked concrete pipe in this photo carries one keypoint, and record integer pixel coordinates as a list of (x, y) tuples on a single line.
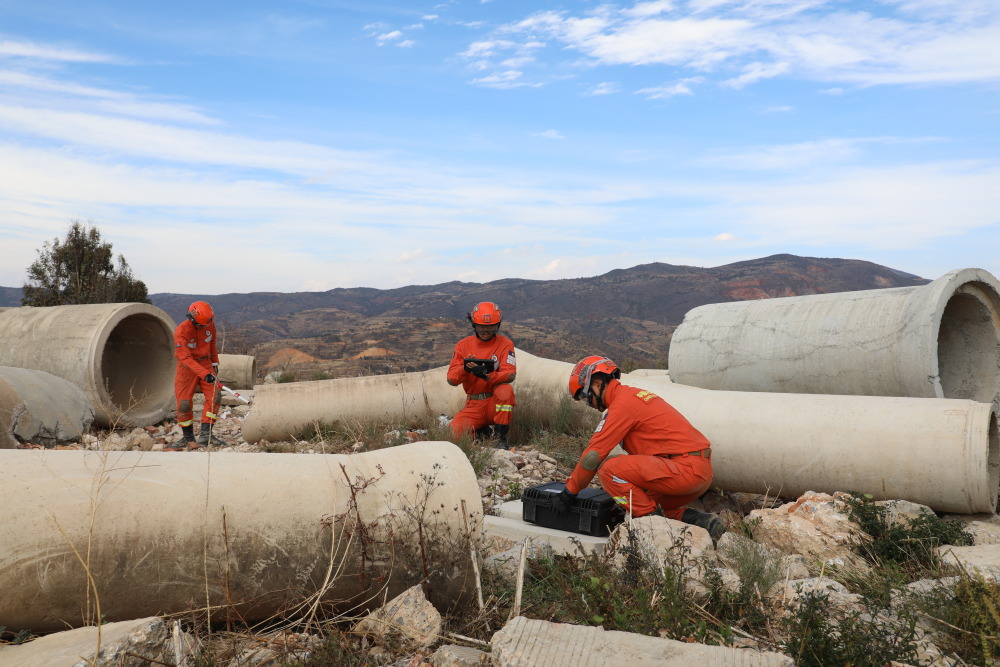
[(119, 354), (940, 340), (40, 408), (167, 533)]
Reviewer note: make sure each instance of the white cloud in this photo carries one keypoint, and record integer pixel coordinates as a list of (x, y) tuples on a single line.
[(741, 43), (789, 156), (668, 91), (505, 79), (389, 36), (549, 134), (22, 49), (405, 44), (722, 238), (779, 108), (754, 72), (605, 88)]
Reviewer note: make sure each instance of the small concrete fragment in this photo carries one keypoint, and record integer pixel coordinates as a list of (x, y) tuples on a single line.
[(452, 655), (662, 543), (529, 643), (409, 616), (983, 560), (136, 643), (41, 408)]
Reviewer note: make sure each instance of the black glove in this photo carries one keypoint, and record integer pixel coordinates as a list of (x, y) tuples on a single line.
[(562, 502), (477, 369), (210, 378)]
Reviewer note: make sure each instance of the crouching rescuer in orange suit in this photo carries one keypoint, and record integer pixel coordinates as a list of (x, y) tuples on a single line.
[(669, 461), (197, 364), (484, 365)]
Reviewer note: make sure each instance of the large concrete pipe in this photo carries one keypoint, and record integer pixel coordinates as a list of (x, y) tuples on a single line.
[(943, 453), (940, 340), (119, 354), (40, 408), (238, 371), (164, 533), (290, 409)]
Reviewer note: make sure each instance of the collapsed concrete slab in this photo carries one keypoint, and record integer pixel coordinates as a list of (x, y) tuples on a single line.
[(40, 408), (940, 340), (246, 534), (524, 643), (119, 354)]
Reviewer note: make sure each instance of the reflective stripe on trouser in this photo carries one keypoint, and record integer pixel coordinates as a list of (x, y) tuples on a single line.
[(652, 481), (498, 409), (185, 382)]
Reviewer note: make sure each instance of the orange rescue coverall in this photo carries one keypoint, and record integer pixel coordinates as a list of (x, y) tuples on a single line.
[(488, 401), (650, 430), (195, 350)]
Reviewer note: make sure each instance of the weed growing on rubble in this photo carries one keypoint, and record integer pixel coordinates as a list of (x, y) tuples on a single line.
[(817, 637), (910, 543), (965, 618)]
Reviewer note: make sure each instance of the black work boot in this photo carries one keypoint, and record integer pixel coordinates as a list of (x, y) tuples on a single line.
[(710, 522), (187, 439), (500, 430), (206, 437)]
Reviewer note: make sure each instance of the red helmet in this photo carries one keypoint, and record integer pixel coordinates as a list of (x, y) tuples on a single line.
[(579, 379), (486, 313), (200, 313)]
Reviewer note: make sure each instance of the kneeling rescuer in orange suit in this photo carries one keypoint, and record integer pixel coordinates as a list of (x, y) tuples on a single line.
[(669, 461), (197, 364), (485, 367)]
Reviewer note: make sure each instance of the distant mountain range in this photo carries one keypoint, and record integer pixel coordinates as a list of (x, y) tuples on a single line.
[(628, 314)]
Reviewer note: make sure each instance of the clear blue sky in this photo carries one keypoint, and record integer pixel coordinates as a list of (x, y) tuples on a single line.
[(306, 145)]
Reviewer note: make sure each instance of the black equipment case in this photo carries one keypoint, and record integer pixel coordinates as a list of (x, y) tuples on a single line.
[(593, 513)]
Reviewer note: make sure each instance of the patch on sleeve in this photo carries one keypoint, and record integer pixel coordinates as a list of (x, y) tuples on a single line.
[(510, 358), (600, 424), (646, 396)]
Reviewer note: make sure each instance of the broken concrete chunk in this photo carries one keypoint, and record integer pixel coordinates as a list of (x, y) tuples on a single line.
[(40, 408)]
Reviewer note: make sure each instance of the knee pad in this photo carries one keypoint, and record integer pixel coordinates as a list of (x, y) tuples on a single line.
[(185, 406)]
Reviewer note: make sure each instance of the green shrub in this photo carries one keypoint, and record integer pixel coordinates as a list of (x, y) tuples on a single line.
[(966, 618), (910, 543), (814, 640)]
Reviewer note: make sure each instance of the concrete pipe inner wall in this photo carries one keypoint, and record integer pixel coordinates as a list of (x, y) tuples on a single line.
[(119, 354), (238, 371), (252, 535), (940, 340)]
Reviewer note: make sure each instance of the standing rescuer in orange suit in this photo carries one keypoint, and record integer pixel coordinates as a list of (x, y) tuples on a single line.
[(484, 365), (669, 461), (197, 364)]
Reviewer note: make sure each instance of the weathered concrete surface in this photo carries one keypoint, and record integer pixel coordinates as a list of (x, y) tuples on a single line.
[(260, 532), (983, 560), (40, 408), (119, 354), (940, 340), (136, 643), (529, 643)]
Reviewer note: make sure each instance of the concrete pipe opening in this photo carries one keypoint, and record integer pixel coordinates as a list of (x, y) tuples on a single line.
[(940, 340), (119, 354), (968, 345)]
